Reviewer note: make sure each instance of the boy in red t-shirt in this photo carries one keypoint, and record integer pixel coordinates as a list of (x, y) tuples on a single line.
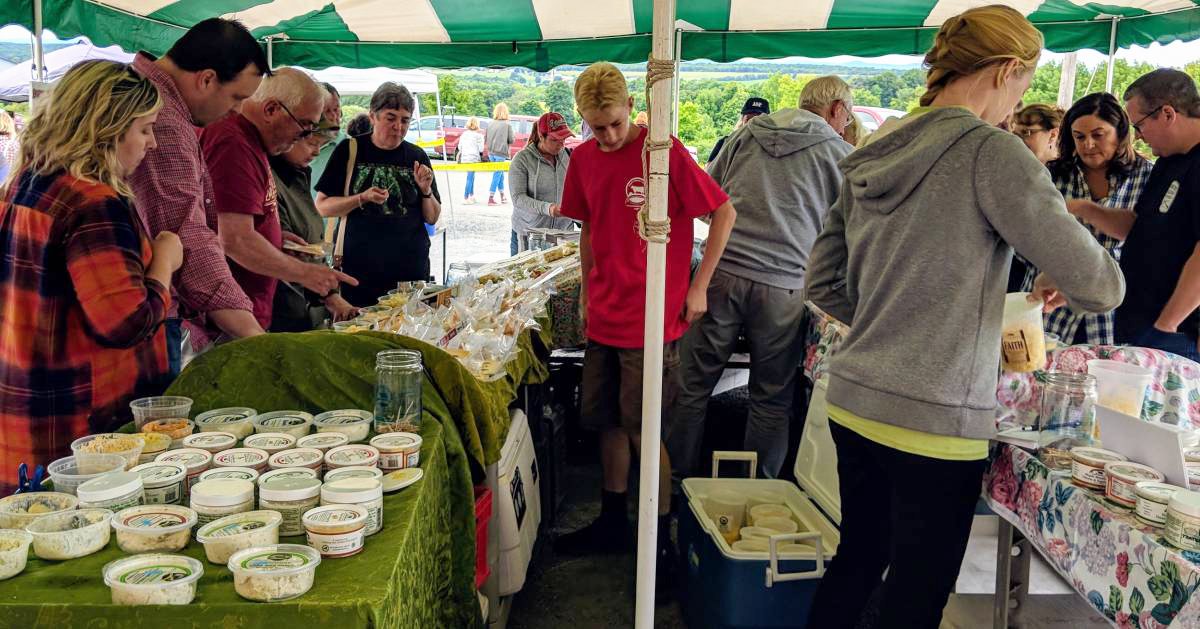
[(604, 190)]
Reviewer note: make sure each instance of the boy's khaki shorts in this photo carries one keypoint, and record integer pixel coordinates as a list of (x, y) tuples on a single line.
[(612, 386)]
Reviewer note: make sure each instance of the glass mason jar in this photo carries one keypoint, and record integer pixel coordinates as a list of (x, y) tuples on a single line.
[(399, 376), (1067, 417), (457, 272)]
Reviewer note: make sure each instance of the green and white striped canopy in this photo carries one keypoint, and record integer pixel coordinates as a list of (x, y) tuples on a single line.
[(542, 34)]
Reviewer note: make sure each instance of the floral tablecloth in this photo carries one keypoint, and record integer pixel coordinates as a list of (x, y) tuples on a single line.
[(1124, 568)]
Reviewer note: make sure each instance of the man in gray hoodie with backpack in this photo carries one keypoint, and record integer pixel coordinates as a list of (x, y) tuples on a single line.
[(782, 169)]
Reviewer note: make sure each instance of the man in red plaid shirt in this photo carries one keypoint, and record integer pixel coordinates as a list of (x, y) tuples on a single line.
[(206, 74)]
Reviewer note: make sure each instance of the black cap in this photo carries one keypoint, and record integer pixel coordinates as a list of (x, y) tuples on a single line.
[(756, 105)]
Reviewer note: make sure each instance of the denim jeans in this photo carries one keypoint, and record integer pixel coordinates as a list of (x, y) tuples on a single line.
[(174, 328), (498, 176), (514, 245), (470, 189), (1177, 343)]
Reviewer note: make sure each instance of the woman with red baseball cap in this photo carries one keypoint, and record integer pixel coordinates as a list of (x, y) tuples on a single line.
[(537, 174)]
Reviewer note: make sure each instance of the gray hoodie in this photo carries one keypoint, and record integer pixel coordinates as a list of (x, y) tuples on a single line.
[(535, 184), (915, 258), (781, 173)]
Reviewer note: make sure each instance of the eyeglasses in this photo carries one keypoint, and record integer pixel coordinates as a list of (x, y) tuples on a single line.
[(305, 129), (1137, 126), (1029, 132)]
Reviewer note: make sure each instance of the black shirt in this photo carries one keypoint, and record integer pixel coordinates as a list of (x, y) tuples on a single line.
[(385, 243), (716, 149), (1163, 238)]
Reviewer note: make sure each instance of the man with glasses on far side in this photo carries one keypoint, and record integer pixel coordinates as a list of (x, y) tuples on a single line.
[(286, 108)]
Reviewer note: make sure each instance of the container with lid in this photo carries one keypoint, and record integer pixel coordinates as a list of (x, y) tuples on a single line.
[(399, 379), (154, 528), (323, 441), (14, 552), (215, 499), (1087, 466), (128, 446), (336, 530), (270, 442), (252, 458), (354, 471), (194, 459), (1152, 499), (212, 441), (360, 455), (311, 458), (355, 424), (67, 474), (398, 450), (163, 482), (154, 444), (1191, 455), (1183, 520), (18, 510), (222, 538), (276, 572), (1121, 479), (174, 427), (227, 473), (292, 498), (364, 492), (114, 491), (1067, 417), (237, 420), (70, 534), (294, 423), (159, 406), (153, 579), (289, 472)]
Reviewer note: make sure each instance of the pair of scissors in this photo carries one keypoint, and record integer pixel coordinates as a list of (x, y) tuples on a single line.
[(27, 485)]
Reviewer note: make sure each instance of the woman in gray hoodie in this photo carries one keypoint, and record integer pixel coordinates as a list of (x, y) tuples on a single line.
[(914, 257), (536, 176)]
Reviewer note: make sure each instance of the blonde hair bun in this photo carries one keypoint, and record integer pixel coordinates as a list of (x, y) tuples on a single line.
[(978, 38)]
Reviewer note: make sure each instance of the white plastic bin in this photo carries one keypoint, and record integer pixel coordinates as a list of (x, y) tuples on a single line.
[(518, 506)]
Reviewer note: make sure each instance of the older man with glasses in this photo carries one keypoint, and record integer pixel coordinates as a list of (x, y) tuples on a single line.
[(286, 109)]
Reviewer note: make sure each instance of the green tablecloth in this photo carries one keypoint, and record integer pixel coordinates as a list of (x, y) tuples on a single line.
[(418, 572)]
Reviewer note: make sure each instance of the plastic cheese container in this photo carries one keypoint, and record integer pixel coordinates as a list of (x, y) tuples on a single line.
[(1152, 500), (153, 579), (311, 458), (292, 498), (154, 444), (352, 455), (398, 450), (230, 473), (196, 461), (14, 552), (163, 482), (237, 420), (355, 424), (336, 530), (1122, 479), (1182, 529), (66, 473), (215, 499), (70, 534), (113, 491), (128, 446), (354, 471), (19, 510), (288, 472), (364, 492), (154, 528), (323, 441), (1087, 466), (214, 442), (270, 442), (293, 423), (252, 458), (222, 538), (275, 572)]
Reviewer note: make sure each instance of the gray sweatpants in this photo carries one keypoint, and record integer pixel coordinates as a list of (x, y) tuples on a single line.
[(772, 318)]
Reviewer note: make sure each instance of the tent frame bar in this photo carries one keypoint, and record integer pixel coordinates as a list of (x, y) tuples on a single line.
[(39, 56), (1112, 53)]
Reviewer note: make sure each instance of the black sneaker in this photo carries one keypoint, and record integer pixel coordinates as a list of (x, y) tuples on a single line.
[(602, 537)]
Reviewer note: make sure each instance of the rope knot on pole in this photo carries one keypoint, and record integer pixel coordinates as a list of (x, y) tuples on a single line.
[(649, 229)]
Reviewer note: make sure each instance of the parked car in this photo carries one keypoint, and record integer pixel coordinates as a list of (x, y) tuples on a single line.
[(450, 127), (873, 117)]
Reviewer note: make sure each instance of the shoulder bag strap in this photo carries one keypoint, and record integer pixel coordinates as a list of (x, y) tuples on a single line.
[(335, 232)]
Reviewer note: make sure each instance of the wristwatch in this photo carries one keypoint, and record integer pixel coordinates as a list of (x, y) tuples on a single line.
[(426, 196)]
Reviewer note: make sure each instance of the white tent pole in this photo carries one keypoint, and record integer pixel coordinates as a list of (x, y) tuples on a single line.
[(271, 52), (1066, 84), (656, 266), (39, 60), (1112, 54), (676, 80)]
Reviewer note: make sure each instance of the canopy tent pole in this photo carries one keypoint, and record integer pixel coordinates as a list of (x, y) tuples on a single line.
[(270, 52), (654, 228), (1112, 54), (676, 81), (1066, 83), (39, 59)]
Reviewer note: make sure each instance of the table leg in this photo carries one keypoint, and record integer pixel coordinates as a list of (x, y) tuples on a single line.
[(1013, 554)]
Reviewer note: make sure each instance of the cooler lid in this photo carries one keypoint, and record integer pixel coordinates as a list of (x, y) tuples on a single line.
[(816, 462)]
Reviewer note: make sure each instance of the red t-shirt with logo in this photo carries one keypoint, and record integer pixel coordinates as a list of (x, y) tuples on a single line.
[(242, 184), (605, 190)]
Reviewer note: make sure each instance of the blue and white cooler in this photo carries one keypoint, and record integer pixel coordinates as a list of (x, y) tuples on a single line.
[(747, 572)]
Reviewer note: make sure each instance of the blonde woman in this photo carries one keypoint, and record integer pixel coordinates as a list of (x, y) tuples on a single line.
[(915, 257), (88, 288), (8, 144), (470, 151), (498, 139)]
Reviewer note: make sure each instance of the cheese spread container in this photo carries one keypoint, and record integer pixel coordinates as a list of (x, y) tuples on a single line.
[(214, 442), (323, 441), (292, 498), (67, 474), (336, 530), (19, 510), (354, 471), (270, 442), (1182, 529), (288, 472), (14, 552), (215, 499), (1087, 466), (113, 491), (275, 572), (157, 579), (297, 457), (196, 461), (128, 446), (70, 534), (252, 458), (364, 492), (355, 424), (224, 537), (163, 482), (236, 420), (352, 455), (154, 528), (398, 450), (153, 444), (1121, 481), (294, 423), (230, 473), (1152, 501), (174, 427)]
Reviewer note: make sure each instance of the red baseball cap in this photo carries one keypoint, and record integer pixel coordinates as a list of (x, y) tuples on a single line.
[(552, 125)]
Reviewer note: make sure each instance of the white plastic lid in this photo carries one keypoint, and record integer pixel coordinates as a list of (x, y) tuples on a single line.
[(1157, 492), (348, 515), (270, 441), (297, 457), (323, 440), (160, 474), (153, 570), (277, 560), (353, 471), (345, 417), (399, 479), (109, 486), (358, 454), (816, 460), (352, 490), (283, 419), (210, 440), (1096, 457), (230, 415), (222, 492), (1185, 502), (193, 458), (241, 457), (157, 519), (1133, 472), (239, 523), (234, 473), (287, 489), (287, 472), (391, 441)]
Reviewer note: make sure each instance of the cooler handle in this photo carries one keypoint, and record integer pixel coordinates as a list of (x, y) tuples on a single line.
[(775, 576), (735, 455)]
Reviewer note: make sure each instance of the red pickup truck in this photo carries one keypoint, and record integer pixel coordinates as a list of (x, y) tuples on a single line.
[(431, 128)]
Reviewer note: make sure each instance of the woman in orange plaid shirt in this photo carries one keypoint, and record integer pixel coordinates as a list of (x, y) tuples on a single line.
[(83, 289)]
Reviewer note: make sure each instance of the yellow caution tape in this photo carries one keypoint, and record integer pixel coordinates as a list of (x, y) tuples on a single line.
[(476, 167), (428, 144)]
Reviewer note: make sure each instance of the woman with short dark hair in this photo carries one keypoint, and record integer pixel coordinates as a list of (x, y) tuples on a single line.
[(385, 204)]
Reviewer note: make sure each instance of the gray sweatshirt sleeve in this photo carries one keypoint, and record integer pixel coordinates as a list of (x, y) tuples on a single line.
[(518, 174), (825, 281), (1027, 211)]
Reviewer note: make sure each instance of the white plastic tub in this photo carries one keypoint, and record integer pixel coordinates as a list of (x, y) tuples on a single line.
[(275, 572), (154, 528), (14, 552), (19, 510), (71, 534), (294, 423), (222, 538), (67, 475), (153, 579)]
